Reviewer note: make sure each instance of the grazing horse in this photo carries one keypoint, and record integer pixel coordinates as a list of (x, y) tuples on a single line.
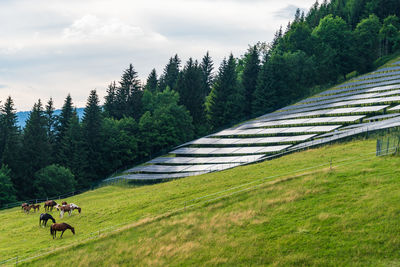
[(27, 209), (64, 203), (36, 207), (64, 209), (48, 205), (23, 205), (75, 207), (60, 227), (45, 217)]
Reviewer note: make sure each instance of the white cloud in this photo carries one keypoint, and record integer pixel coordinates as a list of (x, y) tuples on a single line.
[(54, 47), (91, 27)]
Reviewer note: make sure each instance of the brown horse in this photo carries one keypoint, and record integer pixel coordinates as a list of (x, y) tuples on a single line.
[(64, 203), (60, 227), (23, 205), (27, 209), (48, 205), (36, 207), (64, 209)]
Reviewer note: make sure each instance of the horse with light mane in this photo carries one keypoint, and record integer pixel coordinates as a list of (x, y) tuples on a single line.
[(63, 209), (23, 205), (48, 205), (60, 227), (45, 217), (75, 207)]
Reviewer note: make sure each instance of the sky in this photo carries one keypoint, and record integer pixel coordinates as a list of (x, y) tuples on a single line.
[(49, 48)]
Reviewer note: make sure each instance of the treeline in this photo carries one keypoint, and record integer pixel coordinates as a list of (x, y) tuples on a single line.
[(56, 154)]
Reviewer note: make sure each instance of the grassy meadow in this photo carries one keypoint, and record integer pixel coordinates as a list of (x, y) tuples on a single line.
[(294, 210)]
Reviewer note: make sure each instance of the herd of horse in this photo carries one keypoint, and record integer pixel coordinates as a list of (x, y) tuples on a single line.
[(44, 217)]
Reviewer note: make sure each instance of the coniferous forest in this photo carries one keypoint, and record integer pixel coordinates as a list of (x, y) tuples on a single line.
[(53, 154)]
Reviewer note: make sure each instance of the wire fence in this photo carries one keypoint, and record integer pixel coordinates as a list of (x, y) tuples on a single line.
[(191, 203)]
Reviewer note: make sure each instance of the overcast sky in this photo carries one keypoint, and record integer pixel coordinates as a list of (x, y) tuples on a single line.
[(49, 48)]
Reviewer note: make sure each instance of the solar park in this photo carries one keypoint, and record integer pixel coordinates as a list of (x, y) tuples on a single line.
[(366, 103)]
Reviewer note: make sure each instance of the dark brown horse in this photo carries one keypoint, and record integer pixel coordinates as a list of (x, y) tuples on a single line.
[(60, 227), (36, 207), (64, 203), (48, 205)]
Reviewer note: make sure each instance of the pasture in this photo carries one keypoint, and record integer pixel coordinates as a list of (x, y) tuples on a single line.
[(306, 214)]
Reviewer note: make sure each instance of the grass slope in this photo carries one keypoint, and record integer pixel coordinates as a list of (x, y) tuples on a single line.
[(313, 216)]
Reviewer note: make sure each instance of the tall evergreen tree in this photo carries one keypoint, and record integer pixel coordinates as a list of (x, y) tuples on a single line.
[(10, 138), (36, 147), (63, 122), (224, 104), (265, 96), (207, 67), (72, 152), (189, 87), (110, 104), (170, 74), (152, 81), (92, 123), (249, 78), (128, 94)]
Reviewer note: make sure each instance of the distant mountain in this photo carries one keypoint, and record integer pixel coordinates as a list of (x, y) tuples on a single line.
[(22, 116)]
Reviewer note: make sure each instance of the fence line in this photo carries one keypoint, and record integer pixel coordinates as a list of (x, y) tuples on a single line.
[(112, 228)]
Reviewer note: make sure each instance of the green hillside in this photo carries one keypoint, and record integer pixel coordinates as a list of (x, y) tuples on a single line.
[(292, 210)]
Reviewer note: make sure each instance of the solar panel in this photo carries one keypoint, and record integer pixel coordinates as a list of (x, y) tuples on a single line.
[(386, 116), (394, 108)]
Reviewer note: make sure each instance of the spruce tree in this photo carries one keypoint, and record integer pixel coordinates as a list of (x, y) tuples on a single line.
[(72, 152), (10, 140), (63, 122), (170, 74), (189, 87), (36, 147), (249, 78), (152, 81), (207, 67), (128, 95), (92, 123), (110, 105), (224, 104)]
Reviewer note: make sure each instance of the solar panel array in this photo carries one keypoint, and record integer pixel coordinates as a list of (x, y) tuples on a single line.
[(366, 103)]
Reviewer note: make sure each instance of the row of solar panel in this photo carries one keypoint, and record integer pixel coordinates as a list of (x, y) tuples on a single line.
[(351, 93), (277, 116), (318, 106), (250, 141), (364, 86), (228, 150), (345, 98), (369, 81), (204, 160), (302, 121), (182, 168), (283, 130), (369, 77)]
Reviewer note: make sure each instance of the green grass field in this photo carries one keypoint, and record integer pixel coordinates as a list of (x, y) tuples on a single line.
[(294, 210)]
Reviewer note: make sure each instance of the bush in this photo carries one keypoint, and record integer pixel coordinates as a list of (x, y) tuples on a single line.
[(53, 180)]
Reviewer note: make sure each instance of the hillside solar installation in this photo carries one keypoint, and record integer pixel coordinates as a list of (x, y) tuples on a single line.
[(366, 103)]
